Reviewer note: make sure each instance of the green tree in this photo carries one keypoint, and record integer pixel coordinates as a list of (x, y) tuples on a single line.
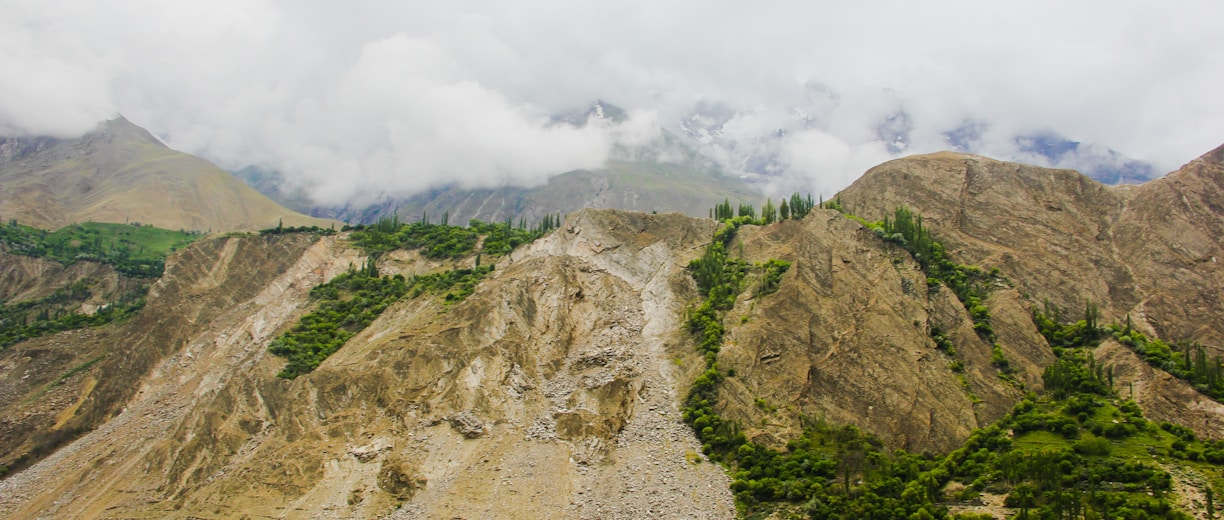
[(1209, 496), (768, 213)]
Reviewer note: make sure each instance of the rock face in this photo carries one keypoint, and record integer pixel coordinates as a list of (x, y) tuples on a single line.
[(552, 391), (1152, 251), (847, 339)]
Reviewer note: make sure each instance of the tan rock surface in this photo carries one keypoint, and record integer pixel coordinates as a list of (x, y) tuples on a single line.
[(1152, 251)]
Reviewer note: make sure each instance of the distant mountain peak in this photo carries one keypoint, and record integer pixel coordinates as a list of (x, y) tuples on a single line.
[(598, 110), (120, 172), (121, 128), (604, 110)]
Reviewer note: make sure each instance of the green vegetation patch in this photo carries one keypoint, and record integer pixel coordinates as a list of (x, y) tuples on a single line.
[(133, 249), (796, 207), (1187, 361), (352, 301), (33, 318), (281, 229), (347, 305), (444, 241), (970, 284)]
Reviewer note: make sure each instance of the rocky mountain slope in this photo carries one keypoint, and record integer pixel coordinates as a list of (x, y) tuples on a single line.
[(121, 173), (1150, 251), (630, 185), (553, 390), (622, 184)]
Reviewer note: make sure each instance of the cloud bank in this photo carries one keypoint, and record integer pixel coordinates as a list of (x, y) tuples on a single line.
[(355, 99)]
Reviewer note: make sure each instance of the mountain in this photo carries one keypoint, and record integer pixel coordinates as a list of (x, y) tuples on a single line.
[(621, 184), (120, 173), (561, 385), (1149, 251), (272, 184), (664, 175), (630, 185)]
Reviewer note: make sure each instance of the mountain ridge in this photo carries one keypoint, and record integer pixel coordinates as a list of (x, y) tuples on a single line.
[(120, 172), (1170, 225), (634, 180)]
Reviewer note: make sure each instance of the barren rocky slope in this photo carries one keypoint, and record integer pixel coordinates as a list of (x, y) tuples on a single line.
[(29, 278), (556, 369), (1151, 251), (847, 339)]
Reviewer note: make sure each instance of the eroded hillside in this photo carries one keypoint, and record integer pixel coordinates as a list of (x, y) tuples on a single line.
[(847, 338), (554, 389), (555, 369), (551, 391), (1150, 251)]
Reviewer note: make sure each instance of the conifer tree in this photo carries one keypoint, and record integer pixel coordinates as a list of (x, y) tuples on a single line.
[(768, 213)]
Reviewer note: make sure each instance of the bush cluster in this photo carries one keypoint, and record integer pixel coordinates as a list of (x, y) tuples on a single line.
[(351, 301), (445, 241), (18, 324), (347, 304)]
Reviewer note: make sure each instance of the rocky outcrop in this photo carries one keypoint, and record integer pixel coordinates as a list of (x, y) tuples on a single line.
[(847, 339), (1150, 251), (467, 424)]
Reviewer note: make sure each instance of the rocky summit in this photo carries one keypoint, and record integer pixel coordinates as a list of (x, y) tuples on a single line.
[(561, 385)]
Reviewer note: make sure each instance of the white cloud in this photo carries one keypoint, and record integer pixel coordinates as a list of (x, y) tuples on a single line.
[(828, 162), (403, 119), (350, 99)]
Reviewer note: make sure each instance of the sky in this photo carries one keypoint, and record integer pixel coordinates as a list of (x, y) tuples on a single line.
[(353, 99)]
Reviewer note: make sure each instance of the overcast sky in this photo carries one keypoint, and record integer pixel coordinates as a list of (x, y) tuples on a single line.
[(354, 97)]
